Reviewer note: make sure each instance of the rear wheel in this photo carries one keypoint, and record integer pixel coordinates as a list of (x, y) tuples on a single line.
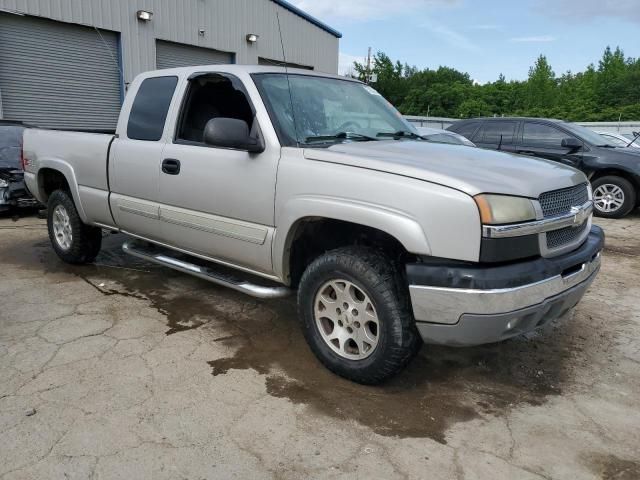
[(73, 241), (355, 315), (613, 197)]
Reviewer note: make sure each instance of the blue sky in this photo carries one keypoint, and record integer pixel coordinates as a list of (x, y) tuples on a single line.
[(482, 37)]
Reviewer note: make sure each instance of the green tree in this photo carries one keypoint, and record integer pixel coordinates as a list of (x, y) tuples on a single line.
[(606, 92), (541, 85)]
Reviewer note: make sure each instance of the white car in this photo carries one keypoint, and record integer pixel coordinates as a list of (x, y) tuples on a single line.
[(443, 136), (620, 140)]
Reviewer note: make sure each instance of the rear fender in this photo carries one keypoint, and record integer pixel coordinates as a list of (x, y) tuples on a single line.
[(67, 171)]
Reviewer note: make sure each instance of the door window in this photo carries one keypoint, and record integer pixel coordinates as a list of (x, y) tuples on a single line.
[(494, 130), (543, 136), (212, 96), (150, 108)]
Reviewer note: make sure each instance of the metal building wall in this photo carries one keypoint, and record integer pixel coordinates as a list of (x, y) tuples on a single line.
[(226, 24)]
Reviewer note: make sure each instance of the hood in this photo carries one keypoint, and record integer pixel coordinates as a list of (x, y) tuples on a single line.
[(470, 170)]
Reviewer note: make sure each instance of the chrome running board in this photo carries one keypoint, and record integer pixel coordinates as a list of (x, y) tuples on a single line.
[(162, 257)]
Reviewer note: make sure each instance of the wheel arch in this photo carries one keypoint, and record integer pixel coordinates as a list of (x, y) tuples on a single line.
[(56, 174), (335, 223)]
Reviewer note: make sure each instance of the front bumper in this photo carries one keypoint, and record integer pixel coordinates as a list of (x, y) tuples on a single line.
[(471, 305)]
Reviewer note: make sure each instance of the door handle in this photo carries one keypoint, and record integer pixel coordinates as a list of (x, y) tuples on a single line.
[(171, 166)]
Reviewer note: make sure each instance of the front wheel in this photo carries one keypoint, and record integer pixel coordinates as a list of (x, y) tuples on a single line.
[(72, 240), (613, 197), (356, 316)]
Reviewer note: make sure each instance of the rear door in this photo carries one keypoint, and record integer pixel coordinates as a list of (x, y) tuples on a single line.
[(134, 163), (545, 140), (497, 135)]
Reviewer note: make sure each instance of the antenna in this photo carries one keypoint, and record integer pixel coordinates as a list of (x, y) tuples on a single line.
[(286, 72), (500, 144), (636, 135)]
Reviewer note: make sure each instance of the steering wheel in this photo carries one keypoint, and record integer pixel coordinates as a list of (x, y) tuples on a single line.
[(345, 126)]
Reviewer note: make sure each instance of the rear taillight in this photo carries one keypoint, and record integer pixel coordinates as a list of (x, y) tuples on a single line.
[(23, 161)]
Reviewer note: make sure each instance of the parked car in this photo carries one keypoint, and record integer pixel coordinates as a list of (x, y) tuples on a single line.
[(443, 136), (619, 139), (12, 188), (614, 172), (389, 239)]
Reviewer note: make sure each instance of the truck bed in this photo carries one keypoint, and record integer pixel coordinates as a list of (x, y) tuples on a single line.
[(81, 156)]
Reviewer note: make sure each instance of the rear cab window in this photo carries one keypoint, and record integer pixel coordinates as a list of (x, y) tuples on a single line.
[(150, 108)]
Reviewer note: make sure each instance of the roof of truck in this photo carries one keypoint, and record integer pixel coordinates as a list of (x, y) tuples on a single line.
[(234, 68)]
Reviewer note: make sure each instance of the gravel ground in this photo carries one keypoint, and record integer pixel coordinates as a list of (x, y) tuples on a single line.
[(123, 369)]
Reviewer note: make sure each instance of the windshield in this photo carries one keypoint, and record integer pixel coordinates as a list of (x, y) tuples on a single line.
[(327, 110), (587, 135)]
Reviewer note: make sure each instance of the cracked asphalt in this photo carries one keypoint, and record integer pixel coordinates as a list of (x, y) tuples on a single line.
[(122, 369)]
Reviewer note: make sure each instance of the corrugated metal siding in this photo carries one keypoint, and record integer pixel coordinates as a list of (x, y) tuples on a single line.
[(59, 75), (171, 55), (226, 23)]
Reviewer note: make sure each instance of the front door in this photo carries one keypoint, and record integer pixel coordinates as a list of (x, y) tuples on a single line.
[(218, 202)]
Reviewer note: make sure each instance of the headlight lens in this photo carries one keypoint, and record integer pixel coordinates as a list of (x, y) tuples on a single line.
[(500, 209), (3, 183)]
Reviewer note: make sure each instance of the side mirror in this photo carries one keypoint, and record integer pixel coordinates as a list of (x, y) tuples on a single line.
[(231, 133), (571, 143)]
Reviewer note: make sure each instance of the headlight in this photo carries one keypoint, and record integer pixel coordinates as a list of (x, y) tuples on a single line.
[(499, 209), (3, 183)]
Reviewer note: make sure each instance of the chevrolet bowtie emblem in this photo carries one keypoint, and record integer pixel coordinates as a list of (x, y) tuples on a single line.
[(579, 216)]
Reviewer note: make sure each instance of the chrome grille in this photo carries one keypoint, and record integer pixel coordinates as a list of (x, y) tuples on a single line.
[(564, 236), (557, 202)]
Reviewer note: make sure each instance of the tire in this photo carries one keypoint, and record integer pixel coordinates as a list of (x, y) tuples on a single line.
[(382, 295), (84, 242), (621, 200)]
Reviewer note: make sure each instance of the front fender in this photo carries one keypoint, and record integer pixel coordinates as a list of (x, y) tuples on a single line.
[(399, 225)]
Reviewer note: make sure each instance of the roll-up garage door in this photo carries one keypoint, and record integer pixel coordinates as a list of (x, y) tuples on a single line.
[(59, 75), (171, 55)]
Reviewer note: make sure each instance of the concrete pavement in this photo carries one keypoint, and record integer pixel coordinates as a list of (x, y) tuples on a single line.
[(124, 369)]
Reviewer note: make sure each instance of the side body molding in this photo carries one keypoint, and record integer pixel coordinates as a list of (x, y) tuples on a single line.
[(398, 224)]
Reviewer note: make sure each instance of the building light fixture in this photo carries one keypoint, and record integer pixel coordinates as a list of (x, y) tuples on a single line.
[(144, 15), (252, 37)]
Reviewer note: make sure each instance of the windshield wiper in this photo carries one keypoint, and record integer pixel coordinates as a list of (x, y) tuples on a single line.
[(400, 134), (606, 145), (341, 136)]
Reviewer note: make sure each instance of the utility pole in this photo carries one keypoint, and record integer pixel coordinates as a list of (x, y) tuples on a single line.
[(368, 77)]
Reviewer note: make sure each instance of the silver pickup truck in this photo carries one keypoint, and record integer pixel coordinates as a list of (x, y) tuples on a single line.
[(309, 182)]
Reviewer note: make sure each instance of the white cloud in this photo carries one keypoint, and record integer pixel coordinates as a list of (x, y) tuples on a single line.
[(450, 36), (533, 39), (345, 63), (365, 9)]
